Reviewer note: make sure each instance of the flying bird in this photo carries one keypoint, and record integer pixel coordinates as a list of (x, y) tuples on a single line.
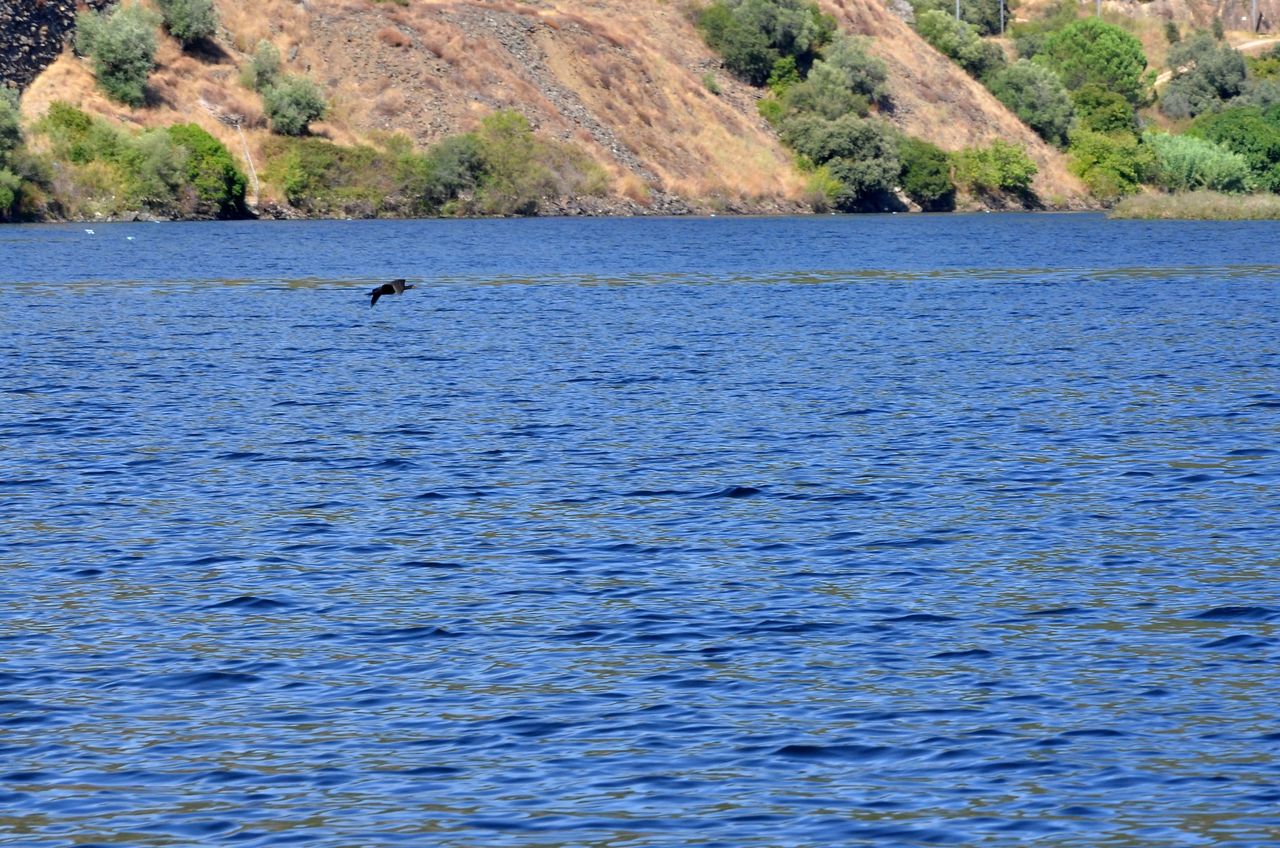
[(393, 287)]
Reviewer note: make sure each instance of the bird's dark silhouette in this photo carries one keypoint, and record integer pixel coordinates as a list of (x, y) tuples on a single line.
[(393, 287)]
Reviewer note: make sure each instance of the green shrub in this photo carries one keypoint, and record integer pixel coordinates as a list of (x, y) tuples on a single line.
[(520, 170), (825, 92), (10, 126), (1029, 36), (710, 84), (1171, 32), (926, 175), (10, 184), (79, 137), (500, 169), (859, 153), (1251, 132), (1111, 166), (1103, 111), (219, 184), (960, 42), (771, 109), (189, 21), (109, 171), (292, 104), (752, 35), (122, 47), (984, 15), (1187, 163), (1091, 51), (155, 168), (1036, 95), (263, 70), (999, 167), (1264, 66), (862, 73), (783, 75), (454, 167), (1205, 73)]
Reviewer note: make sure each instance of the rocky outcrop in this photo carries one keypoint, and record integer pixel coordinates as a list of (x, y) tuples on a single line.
[(32, 33)]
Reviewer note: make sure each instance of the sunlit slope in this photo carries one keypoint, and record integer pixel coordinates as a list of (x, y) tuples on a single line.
[(625, 79)]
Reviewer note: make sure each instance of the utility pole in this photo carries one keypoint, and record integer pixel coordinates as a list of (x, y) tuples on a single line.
[(1253, 18), (1098, 13), (957, 10), (1002, 16)]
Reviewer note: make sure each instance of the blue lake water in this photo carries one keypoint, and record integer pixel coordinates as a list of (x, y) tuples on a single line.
[(871, 530)]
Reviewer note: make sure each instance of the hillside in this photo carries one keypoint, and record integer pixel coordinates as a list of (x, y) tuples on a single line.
[(624, 79)]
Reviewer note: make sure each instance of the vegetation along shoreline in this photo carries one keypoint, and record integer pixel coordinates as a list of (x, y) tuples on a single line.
[(198, 110)]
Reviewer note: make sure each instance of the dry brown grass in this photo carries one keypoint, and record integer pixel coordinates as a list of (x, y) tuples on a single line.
[(393, 37)]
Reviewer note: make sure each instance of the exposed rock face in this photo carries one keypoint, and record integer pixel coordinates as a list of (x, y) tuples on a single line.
[(32, 33)]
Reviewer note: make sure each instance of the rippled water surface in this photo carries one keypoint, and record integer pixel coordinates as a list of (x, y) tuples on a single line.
[(736, 532)]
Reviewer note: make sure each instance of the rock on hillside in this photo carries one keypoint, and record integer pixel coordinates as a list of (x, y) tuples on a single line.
[(625, 79)]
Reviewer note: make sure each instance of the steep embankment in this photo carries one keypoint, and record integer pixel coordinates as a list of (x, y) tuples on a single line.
[(625, 79)]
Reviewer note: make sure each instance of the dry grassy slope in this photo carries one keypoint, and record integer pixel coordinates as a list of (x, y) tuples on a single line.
[(622, 78)]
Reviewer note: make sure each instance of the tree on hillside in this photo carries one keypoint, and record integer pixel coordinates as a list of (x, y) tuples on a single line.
[(1091, 51), (189, 21), (1206, 72), (861, 154), (10, 138), (292, 104), (1103, 111), (960, 42), (122, 47), (752, 36), (212, 173), (983, 14), (1036, 95), (263, 70), (1251, 132)]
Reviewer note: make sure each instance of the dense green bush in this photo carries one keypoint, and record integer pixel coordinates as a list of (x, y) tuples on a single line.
[(1265, 65), (999, 167), (1029, 36), (845, 80), (121, 45), (861, 72), (189, 21), (1111, 166), (10, 138), (1251, 132), (263, 70), (1091, 51), (292, 104), (500, 169), (983, 14), (960, 42), (1206, 73), (1036, 95), (860, 155), (217, 180), (520, 170), (1187, 163), (1103, 111), (109, 171), (826, 92), (751, 36), (926, 175), (10, 128)]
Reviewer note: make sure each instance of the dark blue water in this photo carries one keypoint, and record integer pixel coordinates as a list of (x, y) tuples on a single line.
[(830, 531)]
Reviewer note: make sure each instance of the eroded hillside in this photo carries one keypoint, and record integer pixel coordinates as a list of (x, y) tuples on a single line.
[(624, 79)]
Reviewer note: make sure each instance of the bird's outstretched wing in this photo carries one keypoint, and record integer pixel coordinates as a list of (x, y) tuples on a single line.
[(398, 285), (374, 295)]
